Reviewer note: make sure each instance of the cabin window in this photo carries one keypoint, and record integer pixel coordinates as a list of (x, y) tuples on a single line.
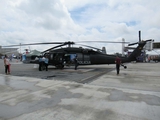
[(80, 57), (86, 58), (51, 56)]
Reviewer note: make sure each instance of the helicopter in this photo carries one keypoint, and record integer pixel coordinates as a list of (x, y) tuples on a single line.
[(60, 56)]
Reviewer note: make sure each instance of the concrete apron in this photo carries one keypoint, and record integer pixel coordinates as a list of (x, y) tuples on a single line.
[(134, 94)]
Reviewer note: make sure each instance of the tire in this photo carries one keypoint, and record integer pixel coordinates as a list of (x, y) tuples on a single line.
[(60, 66), (43, 67)]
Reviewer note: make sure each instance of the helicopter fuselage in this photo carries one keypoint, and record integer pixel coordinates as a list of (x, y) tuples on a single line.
[(65, 56)]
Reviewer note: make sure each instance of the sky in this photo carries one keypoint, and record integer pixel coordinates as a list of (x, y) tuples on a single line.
[(31, 21)]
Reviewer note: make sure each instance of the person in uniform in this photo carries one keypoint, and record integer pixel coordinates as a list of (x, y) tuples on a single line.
[(76, 62), (46, 62), (40, 63)]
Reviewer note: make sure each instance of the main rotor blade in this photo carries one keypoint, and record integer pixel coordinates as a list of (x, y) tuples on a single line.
[(103, 42), (34, 44), (89, 47), (53, 48)]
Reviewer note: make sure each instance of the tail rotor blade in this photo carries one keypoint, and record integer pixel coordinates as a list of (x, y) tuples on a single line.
[(140, 42), (133, 44)]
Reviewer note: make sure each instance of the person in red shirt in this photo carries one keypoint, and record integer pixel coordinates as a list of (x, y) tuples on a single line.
[(118, 63)]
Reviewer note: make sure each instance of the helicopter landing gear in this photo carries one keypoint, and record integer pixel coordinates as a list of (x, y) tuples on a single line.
[(125, 67), (60, 66), (43, 67)]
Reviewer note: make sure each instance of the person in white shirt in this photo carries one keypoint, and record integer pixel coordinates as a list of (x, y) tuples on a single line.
[(7, 65)]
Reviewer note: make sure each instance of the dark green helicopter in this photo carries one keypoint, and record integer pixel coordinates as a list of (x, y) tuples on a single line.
[(60, 57)]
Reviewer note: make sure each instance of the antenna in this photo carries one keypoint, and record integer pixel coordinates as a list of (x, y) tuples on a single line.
[(104, 50), (29, 48), (139, 36)]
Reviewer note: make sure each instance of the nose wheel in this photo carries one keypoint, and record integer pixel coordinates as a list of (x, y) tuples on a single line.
[(125, 67)]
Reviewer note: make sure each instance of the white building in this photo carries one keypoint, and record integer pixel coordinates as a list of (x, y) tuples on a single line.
[(9, 51)]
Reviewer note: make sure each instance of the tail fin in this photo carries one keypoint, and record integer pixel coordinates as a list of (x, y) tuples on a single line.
[(137, 51), (104, 50)]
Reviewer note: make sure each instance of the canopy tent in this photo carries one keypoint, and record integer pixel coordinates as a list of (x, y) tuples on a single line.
[(34, 52), (30, 56)]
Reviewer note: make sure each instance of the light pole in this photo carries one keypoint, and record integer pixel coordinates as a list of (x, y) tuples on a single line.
[(123, 40), (20, 48)]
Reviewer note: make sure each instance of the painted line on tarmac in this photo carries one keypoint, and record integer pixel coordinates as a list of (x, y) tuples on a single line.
[(91, 78)]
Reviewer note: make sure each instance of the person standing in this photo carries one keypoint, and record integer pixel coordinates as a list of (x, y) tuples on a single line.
[(40, 63), (76, 62), (7, 65), (118, 63), (46, 62)]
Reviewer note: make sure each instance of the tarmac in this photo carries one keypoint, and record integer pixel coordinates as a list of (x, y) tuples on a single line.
[(134, 94)]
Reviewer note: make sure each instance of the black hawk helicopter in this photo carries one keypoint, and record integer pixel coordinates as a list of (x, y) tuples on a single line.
[(60, 57)]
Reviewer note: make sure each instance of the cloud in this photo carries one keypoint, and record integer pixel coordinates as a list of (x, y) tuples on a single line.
[(28, 21), (39, 17), (48, 14)]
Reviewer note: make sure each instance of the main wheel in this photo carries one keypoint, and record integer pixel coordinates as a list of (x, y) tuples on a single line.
[(60, 66), (43, 67)]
